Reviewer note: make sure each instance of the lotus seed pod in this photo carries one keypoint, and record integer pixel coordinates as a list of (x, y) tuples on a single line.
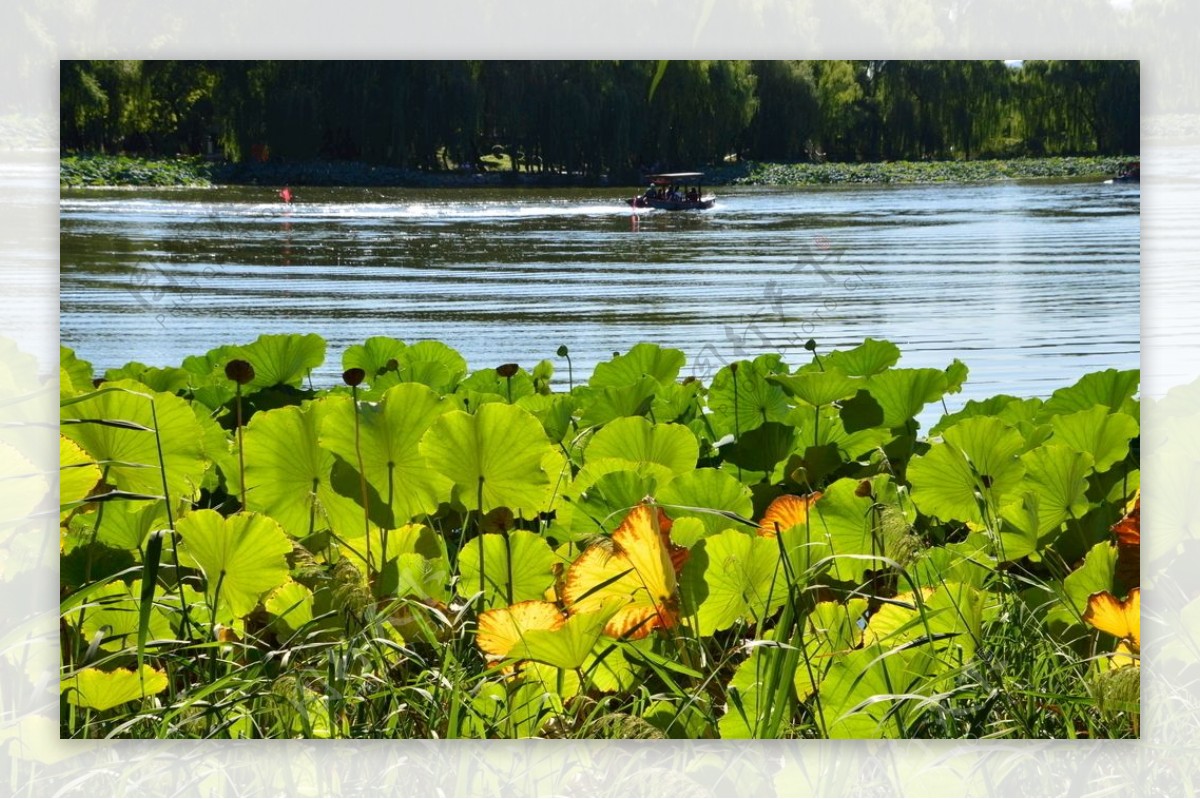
[(353, 377), (562, 351), (239, 371), (507, 369)]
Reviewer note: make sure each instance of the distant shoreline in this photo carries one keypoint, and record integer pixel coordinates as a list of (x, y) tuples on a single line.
[(106, 171)]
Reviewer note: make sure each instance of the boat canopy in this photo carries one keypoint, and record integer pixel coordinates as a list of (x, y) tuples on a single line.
[(675, 177)]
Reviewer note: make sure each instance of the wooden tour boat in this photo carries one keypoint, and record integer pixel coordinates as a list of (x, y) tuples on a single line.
[(674, 191)]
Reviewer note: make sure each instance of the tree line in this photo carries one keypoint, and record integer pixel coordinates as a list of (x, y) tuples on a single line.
[(599, 117)]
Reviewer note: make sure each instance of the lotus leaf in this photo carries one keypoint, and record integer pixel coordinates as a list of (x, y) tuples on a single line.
[(729, 577), (289, 476), (756, 401), (1103, 435), (104, 690), (242, 556), (115, 425), (643, 359), (507, 568), (493, 458), (976, 464), (389, 437)]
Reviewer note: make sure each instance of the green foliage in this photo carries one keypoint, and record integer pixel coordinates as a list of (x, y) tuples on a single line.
[(509, 568), (403, 482), (731, 577), (493, 459), (971, 472), (591, 118), (923, 587), (242, 557)]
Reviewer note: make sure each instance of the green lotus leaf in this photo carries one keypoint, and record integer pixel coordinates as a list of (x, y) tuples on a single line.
[(433, 363), (493, 459), (209, 385), (122, 525), (858, 532), (515, 567), (289, 476), (389, 439), (291, 604), (686, 721), (701, 493), (242, 556), (568, 647), (1022, 518), (977, 460), (78, 473), (103, 690), (554, 411), (824, 427), (969, 562), (903, 393), (218, 448), (763, 448), (373, 356), (1103, 435), (1096, 574), (417, 577), (869, 358), (818, 388), (688, 531), (676, 401), (756, 401), (601, 405), (860, 412), (416, 562), (730, 577), (1056, 475), (487, 381), (113, 609), (858, 694), (744, 709), (636, 441), (1007, 408), (131, 452), (1111, 388), (831, 629), (170, 380), (604, 667), (78, 373), (608, 498), (948, 616), (541, 373), (282, 359), (956, 375), (643, 359)]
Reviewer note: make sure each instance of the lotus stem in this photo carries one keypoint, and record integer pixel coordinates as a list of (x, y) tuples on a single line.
[(353, 377)]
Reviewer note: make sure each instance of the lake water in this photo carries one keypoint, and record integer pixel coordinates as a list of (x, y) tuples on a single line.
[(1030, 284)]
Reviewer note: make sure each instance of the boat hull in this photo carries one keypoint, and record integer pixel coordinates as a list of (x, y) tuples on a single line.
[(673, 205)]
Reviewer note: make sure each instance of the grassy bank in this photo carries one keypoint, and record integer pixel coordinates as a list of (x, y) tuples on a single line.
[(77, 171)]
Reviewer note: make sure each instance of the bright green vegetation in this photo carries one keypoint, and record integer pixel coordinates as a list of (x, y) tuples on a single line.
[(119, 170), (594, 118), (245, 554), (930, 171)]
